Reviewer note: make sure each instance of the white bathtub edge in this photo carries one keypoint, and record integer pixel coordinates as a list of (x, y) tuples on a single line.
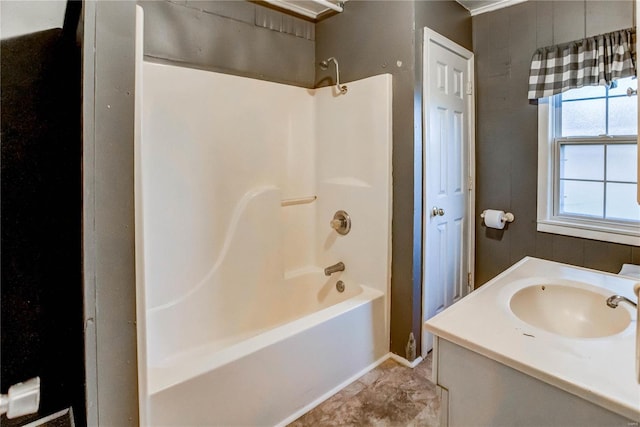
[(333, 391), (160, 379)]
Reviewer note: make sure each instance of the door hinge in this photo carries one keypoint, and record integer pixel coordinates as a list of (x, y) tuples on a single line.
[(469, 285), (469, 88), (470, 187)]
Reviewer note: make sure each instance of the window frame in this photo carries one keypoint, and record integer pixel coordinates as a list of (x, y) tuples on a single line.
[(548, 220)]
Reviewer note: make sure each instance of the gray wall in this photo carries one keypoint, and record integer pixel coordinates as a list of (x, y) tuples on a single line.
[(506, 144), (108, 213), (376, 37), (446, 17), (233, 37)]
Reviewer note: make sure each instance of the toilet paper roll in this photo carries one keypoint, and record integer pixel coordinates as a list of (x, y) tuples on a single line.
[(494, 219)]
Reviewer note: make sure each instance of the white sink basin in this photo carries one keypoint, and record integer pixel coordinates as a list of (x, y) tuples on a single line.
[(569, 311)]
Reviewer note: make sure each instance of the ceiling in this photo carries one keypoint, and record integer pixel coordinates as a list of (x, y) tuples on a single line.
[(476, 7)]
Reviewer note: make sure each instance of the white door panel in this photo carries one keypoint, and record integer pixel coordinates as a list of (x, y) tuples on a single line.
[(447, 176)]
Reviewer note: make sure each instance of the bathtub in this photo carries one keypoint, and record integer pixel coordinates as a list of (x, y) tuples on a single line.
[(313, 341)]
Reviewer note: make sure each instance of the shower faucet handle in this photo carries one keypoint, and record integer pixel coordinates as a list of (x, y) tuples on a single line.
[(336, 223), (341, 222)]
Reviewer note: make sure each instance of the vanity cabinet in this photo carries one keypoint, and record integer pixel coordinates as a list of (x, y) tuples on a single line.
[(478, 391)]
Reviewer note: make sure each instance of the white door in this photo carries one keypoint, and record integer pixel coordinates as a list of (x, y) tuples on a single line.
[(448, 176)]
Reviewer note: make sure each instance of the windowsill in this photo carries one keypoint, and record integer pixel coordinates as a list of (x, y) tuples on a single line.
[(626, 236)]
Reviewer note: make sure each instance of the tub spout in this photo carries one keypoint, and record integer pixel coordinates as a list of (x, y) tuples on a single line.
[(334, 268), (614, 300)]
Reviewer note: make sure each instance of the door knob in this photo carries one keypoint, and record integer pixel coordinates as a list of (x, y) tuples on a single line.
[(437, 211)]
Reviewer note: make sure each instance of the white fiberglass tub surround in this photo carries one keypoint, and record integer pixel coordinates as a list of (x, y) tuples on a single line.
[(239, 325)]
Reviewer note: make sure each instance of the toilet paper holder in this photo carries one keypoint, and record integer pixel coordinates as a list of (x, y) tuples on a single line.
[(507, 217)]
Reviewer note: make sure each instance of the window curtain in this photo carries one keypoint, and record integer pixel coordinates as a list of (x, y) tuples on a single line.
[(592, 61)]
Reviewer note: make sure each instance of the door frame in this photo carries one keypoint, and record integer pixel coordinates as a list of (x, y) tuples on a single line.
[(428, 37)]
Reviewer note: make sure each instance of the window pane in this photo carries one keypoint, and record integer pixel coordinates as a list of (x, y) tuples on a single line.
[(582, 161), (581, 198), (621, 162), (584, 118), (621, 202), (623, 84), (623, 116), (585, 92)]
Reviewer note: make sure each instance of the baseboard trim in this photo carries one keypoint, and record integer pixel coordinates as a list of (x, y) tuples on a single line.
[(401, 360)]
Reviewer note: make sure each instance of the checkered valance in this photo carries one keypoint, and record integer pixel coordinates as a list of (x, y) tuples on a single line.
[(591, 61)]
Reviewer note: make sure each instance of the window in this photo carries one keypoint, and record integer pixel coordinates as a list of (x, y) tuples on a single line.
[(587, 164)]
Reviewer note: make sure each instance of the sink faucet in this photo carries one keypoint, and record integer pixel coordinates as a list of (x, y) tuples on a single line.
[(334, 268), (614, 300)]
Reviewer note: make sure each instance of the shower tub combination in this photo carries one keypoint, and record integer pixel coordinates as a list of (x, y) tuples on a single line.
[(237, 181)]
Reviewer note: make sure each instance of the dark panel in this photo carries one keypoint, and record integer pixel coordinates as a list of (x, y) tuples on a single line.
[(42, 309), (635, 255), (518, 102), (544, 23), (493, 258), (604, 17), (491, 98), (228, 38), (493, 164), (568, 21), (569, 250), (446, 17), (544, 246), (108, 213), (606, 256), (498, 53), (523, 31), (506, 133)]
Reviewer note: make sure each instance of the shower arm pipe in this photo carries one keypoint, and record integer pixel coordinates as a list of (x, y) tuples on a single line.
[(335, 61), (325, 64)]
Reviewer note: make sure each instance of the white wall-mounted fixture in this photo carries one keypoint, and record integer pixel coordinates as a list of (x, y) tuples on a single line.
[(476, 7), (18, 18), (496, 219), (21, 399), (310, 8)]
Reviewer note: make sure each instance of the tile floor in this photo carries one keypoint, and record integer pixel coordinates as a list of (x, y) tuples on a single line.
[(390, 395)]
